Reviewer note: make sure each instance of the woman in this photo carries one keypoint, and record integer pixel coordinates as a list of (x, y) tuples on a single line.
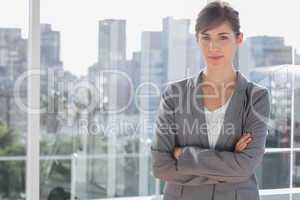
[(211, 128)]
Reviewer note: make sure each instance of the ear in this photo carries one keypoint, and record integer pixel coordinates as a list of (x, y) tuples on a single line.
[(197, 36), (240, 38)]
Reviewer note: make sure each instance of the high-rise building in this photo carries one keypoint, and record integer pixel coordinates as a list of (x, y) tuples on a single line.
[(13, 59), (50, 47), (260, 51), (112, 61), (13, 53), (195, 61), (175, 47), (51, 65), (112, 43), (133, 73), (153, 75), (109, 75)]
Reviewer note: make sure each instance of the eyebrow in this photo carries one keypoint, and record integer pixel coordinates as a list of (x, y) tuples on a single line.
[(222, 33)]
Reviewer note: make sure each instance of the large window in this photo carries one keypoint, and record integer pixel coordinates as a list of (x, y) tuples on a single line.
[(13, 59), (103, 67), (268, 56)]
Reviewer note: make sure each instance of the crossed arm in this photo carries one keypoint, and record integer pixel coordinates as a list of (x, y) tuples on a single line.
[(198, 166)]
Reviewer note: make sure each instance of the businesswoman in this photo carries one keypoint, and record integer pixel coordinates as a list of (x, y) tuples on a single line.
[(211, 128)]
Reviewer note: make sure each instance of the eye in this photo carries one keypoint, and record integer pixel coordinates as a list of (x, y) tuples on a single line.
[(224, 38), (205, 38)]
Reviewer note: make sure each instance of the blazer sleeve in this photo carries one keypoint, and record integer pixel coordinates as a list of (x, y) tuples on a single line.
[(232, 165), (164, 165)]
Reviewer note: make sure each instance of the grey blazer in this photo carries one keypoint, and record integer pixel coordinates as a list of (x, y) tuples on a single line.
[(200, 172)]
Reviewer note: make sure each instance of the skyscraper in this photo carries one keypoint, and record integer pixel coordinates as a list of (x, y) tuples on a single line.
[(261, 51), (110, 71), (13, 59), (50, 47), (152, 79), (175, 47), (13, 53), (112, 43), (195, 61)]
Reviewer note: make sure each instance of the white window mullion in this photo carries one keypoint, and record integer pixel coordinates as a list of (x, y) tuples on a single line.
[(292, 130), (33, 96)]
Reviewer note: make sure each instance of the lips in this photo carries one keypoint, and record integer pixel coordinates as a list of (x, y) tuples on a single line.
[(215, 57)]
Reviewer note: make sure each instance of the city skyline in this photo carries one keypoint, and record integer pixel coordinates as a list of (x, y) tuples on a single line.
[(86, 37), (96, 131)]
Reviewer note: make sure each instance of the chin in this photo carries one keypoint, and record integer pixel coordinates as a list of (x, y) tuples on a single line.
[(216, 65)]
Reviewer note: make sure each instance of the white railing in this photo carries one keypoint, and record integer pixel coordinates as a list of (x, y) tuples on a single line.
[(74, 158), (135, 198)]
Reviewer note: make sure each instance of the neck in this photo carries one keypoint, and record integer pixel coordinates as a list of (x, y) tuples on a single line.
[(220, 75)]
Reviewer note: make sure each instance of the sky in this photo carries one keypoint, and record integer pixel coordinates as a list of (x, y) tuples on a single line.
[(77, 21)]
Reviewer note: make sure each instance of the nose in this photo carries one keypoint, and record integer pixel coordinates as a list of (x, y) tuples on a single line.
[(213, 45)]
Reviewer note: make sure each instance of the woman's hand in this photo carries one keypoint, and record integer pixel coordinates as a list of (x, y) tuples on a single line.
[(177, 152), (243, 142), (239, 147)]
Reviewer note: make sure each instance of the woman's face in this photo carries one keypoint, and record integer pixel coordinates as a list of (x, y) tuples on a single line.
[(218, 45)]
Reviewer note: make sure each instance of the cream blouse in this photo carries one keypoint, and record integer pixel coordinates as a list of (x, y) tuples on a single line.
[(214, 120)]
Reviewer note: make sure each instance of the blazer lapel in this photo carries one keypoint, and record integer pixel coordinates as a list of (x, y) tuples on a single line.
[(198, 109), (233, 110)]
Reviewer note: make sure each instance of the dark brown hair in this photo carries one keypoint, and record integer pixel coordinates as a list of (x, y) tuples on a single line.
[(214, 14)]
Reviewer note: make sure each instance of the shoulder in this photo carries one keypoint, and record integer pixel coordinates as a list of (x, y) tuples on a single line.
[(255, 90), (258, 99), (178, 86)]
